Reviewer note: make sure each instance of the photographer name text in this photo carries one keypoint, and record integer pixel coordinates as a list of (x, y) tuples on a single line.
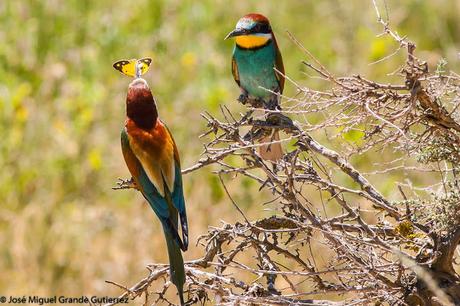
[(61, 299)]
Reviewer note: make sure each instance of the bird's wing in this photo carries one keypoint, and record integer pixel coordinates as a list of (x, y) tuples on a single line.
[(178, 194), (134, 166), (279, 65), (145, 173), (236, 74)]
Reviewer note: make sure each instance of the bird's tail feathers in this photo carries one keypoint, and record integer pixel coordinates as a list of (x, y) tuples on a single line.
[(169, 227), (184, 226), (176, 263)]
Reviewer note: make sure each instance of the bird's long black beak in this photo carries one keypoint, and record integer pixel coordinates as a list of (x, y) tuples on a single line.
[(236, 32)]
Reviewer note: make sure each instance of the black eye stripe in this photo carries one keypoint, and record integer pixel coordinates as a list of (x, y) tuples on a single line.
[(261, 28)]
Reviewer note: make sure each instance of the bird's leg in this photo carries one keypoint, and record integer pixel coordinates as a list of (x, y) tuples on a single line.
[(125, 184), (243, 98), (257, 102), (272, 103)]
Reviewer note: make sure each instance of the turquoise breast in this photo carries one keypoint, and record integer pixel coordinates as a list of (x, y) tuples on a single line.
[(255, 69)]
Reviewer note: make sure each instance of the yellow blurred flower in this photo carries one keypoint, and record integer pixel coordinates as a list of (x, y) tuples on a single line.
[(94, 159), (188, 60)]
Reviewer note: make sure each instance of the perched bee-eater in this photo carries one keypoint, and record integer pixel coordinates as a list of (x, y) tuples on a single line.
[(152, 158), (255, 56)]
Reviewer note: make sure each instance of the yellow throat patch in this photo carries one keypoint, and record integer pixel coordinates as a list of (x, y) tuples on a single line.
[(251, 41)]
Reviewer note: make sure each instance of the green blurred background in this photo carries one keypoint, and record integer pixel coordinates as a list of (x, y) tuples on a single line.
[(62, 229)]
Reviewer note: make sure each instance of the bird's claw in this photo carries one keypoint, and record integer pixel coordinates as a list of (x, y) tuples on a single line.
[(254, 102), (243, 99), (125, 184), (271, 104)]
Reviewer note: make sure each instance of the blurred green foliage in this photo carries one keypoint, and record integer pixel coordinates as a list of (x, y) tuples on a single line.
[(62, 229)]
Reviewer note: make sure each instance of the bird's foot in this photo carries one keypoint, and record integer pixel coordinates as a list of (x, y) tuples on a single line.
[(243, 99), (271, 104), (256, 102), (125, 184)]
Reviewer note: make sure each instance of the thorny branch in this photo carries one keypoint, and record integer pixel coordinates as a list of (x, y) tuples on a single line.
[(333, 235)]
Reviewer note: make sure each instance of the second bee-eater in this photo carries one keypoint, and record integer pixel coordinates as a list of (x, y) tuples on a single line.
[(152, 158), (255, 56)]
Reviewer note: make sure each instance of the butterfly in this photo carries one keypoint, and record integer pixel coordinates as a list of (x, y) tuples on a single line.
[(128, 67)]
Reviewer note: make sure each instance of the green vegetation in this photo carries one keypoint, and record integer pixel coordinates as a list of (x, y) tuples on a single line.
[(62, 229)]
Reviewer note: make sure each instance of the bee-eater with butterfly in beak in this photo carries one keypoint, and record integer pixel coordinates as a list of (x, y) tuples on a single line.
[(255, 56), (152, 158)]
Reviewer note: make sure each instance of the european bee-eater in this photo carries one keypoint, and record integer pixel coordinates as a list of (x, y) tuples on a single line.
[(255, 56), (152, 158)]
